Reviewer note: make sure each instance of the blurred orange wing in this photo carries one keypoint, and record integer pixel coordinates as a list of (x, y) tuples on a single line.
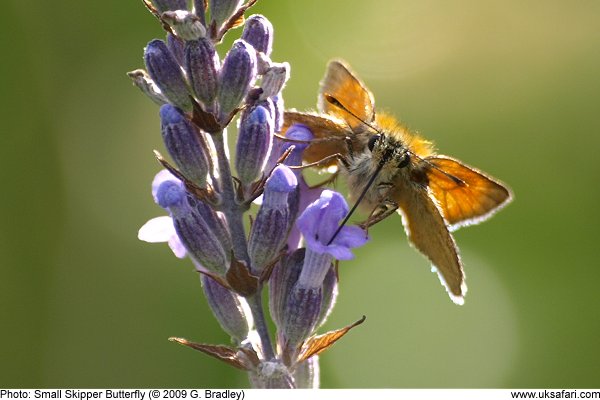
[(329, 135), (342, 84), (427, 231), (465, 195)]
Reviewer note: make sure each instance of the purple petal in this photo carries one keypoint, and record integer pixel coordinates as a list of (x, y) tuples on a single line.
[(332, 213), (340, 252), (351, 236), (314, 244)]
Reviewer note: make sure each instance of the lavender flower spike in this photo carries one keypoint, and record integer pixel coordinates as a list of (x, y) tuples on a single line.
[(200, 95)]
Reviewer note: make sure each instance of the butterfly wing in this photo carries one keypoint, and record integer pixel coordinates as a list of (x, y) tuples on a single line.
[(329, 135), (427, 231), (465, 195), (346, 88)]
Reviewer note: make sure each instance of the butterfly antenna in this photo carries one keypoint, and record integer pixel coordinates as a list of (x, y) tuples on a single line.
[(337, 103), (362, 195)]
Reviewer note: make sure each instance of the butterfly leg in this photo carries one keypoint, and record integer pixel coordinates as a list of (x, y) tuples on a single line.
[(337, 156)]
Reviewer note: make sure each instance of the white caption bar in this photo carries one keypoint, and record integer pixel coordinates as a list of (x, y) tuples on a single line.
[(325, 394)]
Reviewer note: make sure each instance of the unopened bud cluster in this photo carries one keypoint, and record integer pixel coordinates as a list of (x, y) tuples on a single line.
[(287, 247)]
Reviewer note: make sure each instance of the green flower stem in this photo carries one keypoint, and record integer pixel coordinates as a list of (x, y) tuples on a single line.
[(234, 215), (255, 303), (228, 204)]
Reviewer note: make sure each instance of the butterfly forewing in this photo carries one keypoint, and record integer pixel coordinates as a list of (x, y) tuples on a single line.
[(346, 88), (465, 195), (329, 134)]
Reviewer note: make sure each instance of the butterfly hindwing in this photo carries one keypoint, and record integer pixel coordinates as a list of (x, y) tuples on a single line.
[(427, 231)]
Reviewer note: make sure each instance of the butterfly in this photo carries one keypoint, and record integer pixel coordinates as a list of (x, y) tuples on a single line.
[(389, 169)]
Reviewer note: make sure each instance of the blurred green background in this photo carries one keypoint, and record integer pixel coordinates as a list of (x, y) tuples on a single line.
[(511, 87)]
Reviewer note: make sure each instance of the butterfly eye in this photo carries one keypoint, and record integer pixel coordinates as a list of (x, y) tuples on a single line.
[(404, 161), (372, 141)]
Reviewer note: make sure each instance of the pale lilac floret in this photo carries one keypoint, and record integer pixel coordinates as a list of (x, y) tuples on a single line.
[(319, 222)]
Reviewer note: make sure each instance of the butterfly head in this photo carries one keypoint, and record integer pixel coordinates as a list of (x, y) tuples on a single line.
[(387, 150)]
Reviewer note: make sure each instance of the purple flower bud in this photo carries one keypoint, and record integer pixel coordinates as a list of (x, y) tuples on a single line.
[(167, 74), (319, 222), (282, 280), (306, 374), (221, 10), (202, 67), (229, 309), (274, 79), (199, 228), (258, 31), (236, 77), (176, 47), (142, 80), (254, 144), (186, 24), (274, 219), (185, 144), (166, 5)]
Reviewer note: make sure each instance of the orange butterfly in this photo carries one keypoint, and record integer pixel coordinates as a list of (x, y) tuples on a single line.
[(389, 169)]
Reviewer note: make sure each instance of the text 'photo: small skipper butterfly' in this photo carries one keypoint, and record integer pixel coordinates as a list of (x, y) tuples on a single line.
[(388, 169)]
